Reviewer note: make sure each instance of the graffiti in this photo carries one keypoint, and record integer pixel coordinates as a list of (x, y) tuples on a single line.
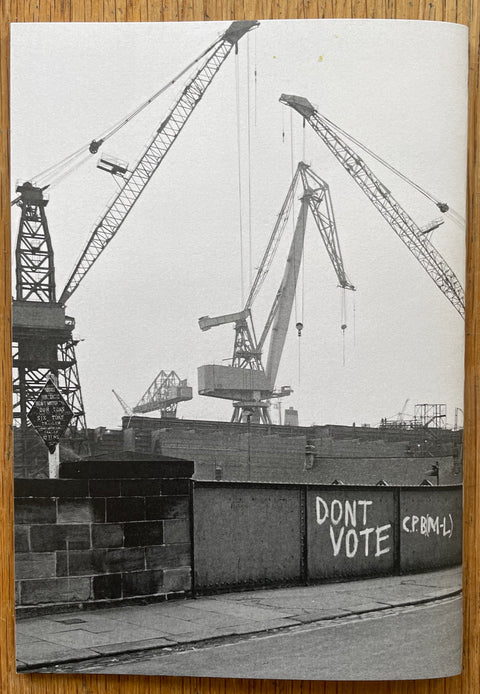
[(349, 529), (429, 525)]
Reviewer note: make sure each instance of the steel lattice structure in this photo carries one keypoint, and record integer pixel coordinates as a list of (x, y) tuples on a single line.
[(153, 155), (164, 394), (402, 224), (247, 382), (43, 342)]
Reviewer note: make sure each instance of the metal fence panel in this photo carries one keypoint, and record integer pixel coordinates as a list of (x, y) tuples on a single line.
[(246, 536), (350, 532), (430, 528)]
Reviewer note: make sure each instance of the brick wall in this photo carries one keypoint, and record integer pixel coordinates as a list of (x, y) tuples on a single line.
[(105, 531)]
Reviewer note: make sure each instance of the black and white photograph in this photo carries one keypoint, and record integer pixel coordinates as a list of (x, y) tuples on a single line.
[(238, 262)]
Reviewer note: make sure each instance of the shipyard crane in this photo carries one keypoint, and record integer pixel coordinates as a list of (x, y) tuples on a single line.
[(413, 236), (43, 341), (164, 394), (125, 407), (247, 381), (134, 182)]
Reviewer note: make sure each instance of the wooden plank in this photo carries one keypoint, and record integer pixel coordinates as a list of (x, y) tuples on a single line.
[(463, 11)]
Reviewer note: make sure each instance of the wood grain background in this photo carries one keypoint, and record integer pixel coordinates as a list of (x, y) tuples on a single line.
[(461, 11)]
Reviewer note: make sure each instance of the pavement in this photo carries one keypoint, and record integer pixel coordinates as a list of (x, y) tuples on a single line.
[(87, 635)]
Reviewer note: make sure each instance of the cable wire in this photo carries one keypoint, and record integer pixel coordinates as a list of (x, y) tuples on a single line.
[(239, 164), (389, 166), (109, 132)]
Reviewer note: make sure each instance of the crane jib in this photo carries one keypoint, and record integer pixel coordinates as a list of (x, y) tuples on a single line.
[(154, 153), (398, 219)]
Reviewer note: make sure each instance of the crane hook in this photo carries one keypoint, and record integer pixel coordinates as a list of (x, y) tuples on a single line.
[(299, 327)]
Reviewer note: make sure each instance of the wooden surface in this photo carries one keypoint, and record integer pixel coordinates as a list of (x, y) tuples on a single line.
[(460, 11)]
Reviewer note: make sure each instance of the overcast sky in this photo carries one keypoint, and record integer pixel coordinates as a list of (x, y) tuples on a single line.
[(399, 87)]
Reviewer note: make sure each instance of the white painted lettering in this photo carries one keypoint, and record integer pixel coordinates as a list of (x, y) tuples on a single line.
[(433, 525), (321, 505), (351, 513), (381, 537), (351, 543), (366, 533), (364, 503), (336, 519), (336, 543)]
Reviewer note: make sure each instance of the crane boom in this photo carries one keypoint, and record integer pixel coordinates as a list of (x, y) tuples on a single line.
[(154, 153), (403, 225), (285, 296)]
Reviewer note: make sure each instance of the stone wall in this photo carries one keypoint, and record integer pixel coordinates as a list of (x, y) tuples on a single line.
[(107, 531), (271, 453)]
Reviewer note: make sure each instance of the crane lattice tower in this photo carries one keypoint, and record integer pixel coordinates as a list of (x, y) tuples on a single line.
[(43, 342)]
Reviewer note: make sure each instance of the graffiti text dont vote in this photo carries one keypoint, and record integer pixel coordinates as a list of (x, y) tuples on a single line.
[(351, 533)]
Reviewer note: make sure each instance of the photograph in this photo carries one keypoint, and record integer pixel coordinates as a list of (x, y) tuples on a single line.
[(238, 270)]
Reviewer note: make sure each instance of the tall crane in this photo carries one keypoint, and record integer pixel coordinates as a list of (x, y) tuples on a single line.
[(43, 340), (413, 236), (246, 381), (134, 182), (164, 394)]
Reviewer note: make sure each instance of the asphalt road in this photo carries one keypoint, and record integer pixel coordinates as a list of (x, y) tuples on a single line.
[(423, 641)]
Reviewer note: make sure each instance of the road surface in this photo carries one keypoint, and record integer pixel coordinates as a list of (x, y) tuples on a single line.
[(400, 643)]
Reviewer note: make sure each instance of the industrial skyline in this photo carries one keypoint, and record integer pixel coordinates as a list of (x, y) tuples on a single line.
[(178, 255)]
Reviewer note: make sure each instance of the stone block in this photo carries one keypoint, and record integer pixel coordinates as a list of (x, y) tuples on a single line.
[(129, 559), (141, 487), (81, 563), (50, 488), (127, 469), (81, 510), (104, 487), (142, 583), (48, 538), (22, 538), (168, 556), (35, 565), (158, 508), (142, 534), (55, 590), (107, 535), (125, 509), (176, 487), (108, 587), (175, 580), (35, 511), (176, 531)]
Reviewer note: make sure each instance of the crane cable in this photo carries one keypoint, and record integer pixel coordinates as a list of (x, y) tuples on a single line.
[(239, 172), (343, 313), (293, 207), (455, 216), (255, 74), (250, 262), (115, 128), (92, 147)]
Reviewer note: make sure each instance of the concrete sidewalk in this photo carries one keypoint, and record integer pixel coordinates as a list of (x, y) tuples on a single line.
[(84, 635)]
